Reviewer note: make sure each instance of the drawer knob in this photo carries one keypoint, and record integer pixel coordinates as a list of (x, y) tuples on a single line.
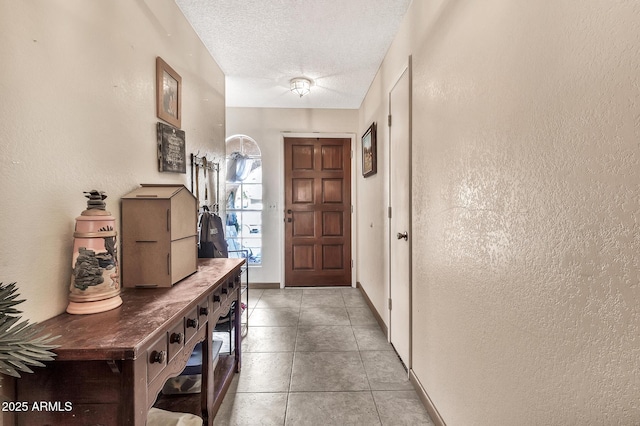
[(204, 311), (216, 298), (176, 338), (158, 357), (224, 291), (192, 323), (230, 284)]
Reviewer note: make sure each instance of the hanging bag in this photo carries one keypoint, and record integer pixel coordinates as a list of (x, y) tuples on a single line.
[(212, 242)]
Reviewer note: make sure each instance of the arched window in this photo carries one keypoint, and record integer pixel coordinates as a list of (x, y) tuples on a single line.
[(244, 198)]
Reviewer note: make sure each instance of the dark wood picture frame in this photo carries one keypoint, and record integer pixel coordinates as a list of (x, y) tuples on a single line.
[(171, 149), (369, 152), (168, 94)]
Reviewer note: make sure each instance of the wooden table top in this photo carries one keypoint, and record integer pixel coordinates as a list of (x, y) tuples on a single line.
[(123, 332)]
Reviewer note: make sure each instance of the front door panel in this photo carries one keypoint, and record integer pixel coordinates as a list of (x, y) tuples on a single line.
[(317, 212)]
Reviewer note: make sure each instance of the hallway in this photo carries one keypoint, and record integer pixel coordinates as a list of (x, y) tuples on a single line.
[(318, 357)]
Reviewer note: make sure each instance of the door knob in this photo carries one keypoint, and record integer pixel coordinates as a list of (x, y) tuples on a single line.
[(404, 236)]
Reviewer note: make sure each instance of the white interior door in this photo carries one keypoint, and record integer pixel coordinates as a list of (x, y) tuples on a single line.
[(400, 218)]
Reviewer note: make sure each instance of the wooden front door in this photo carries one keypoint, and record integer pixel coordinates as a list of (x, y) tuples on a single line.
[(317, 212)]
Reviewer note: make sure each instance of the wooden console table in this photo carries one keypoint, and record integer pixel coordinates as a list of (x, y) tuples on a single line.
[(111, 366)]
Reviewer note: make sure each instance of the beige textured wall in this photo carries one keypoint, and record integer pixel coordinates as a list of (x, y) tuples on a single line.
[(266, 125), (527, 176), (78, 112), (373, 191), (372, 199)]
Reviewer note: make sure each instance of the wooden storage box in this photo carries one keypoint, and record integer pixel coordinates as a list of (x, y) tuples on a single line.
[(159, 236)]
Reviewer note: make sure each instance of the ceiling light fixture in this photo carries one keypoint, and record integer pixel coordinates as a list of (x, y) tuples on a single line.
[(301, 86)]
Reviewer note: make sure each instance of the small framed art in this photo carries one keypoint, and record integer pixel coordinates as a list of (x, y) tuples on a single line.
[(168, 93), (171, 149), (369, 154)]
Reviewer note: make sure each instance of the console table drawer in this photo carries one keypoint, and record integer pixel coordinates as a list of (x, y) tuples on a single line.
[(156, 358), (215, 300), (203, 312), (224, 292), (191, 324), (231, 285), (176, 340)]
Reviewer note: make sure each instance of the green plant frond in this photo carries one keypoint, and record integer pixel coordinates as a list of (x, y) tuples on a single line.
[(20, 344), (4, 286), (7, 299), (44, 341), (5, 319), (41, 349), (19, 365), (32, 347), (18, 357), (8, 294), (26, 354), (14, 361), (7, 290), (38, 357), (6, 307), (8, 370), (32, 329), (23, 329), (35, 349), (23, 332), (10, 348), (22, 326), (7, 322), (29, 346)]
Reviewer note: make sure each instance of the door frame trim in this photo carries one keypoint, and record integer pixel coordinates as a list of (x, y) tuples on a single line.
[(281, 193)]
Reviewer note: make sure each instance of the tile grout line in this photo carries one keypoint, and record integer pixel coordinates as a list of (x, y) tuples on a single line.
[(293, 358), (363, 366)]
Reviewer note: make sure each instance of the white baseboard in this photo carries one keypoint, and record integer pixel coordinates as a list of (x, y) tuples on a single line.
[(374, 311), (426, 401), (262, 286)]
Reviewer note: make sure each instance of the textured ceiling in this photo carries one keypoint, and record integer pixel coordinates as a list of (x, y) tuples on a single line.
[(261, 45)]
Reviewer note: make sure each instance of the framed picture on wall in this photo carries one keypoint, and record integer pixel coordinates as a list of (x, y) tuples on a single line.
[(171, 149), (168, 93), (369, 154)]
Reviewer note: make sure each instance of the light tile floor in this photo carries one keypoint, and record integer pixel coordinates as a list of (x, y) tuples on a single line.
[(318, 357)]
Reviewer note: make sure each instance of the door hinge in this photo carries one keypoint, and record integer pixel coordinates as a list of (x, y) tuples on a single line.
[(389, 212), (389, 303), (351, 208), (351, 263), (389, 119), (351, 153)]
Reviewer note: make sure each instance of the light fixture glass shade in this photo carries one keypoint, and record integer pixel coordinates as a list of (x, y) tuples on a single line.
[(300, 86)]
